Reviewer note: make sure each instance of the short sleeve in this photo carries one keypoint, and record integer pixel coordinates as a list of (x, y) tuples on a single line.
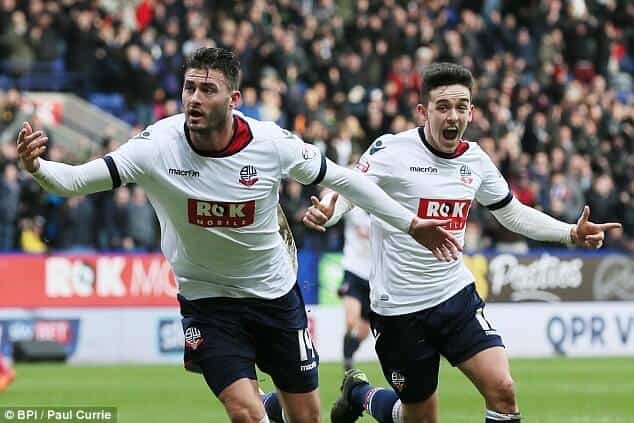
[(299, 160), (131, 160), (494, 192)]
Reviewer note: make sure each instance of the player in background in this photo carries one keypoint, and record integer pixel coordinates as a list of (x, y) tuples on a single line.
[(422, 307), (212, 176), (7, 374), (355, 289)]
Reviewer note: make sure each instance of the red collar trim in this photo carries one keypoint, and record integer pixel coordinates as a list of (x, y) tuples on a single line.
[(459, 151), (242, 136)]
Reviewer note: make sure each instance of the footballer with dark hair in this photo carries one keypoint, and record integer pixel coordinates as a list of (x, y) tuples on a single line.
[(422, 307), (213, 176)]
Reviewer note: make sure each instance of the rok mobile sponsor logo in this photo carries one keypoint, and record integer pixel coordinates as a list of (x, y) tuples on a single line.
[(108, 277), (614, 279), (212, 214), (536, 280), (456, 211)]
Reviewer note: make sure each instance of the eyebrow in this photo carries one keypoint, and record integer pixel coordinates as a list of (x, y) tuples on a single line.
[(205, 83), (445, 100)]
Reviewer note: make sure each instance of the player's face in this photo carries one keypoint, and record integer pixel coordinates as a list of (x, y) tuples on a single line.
[(448, 112), (207, 99)]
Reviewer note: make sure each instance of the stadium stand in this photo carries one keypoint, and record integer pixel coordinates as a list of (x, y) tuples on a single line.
[(554, 92)]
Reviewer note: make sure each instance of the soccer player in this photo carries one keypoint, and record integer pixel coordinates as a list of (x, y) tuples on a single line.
[(423, 307), (7, 374), (355, 288), (212, 175)]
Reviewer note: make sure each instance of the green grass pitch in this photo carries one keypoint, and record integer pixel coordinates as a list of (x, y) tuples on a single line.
[(560, 390)]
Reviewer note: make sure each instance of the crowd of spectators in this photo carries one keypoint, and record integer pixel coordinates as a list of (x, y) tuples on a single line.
[(554, 96)]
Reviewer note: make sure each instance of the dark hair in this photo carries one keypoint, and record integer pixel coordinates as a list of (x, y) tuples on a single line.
[(220, 59), (441, 74)]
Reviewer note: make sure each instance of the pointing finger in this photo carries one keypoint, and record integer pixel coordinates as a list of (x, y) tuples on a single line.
[(608, 226)]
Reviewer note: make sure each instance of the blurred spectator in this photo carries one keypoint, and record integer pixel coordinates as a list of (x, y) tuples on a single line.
[(114, 233), (77, 225), (294, 206), (9, 206), (566, 199), (553, 93), (31, 235), (142, 221), (10, 103), (603, 199)]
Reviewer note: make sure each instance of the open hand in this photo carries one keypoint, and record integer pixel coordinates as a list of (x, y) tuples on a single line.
[(588, 234), (31, 145), (431, 235)]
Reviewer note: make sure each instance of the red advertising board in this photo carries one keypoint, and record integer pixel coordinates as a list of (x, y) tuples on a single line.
[(86, 280)]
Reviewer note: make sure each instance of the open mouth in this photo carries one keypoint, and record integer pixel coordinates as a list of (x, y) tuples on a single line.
[(195, 113), (450, 133)]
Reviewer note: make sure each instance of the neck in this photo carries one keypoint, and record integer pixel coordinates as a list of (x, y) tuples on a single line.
[(213, 140), (437, 145)]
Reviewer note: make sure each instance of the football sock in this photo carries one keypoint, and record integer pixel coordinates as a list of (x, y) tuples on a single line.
[(350, 346), (494, 416), (378, 402), (273, 407)]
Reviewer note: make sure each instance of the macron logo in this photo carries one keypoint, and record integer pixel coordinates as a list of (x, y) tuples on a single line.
[(183, 172), (428, 169)]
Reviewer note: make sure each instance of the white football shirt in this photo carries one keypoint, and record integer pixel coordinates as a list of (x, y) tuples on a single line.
[(218, 212), (356, 248), (406, 277)]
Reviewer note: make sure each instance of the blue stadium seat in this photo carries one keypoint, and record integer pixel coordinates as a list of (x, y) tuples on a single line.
[(110, 102)]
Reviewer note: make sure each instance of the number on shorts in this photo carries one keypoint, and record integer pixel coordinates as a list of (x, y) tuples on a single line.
[(305, 344), (486, 326)]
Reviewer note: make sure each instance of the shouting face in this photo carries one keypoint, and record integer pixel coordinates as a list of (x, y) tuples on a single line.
[(207, 100), (448, 112)]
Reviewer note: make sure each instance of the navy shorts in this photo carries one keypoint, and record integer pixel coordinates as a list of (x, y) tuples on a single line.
[(226, 337), (409, 346), (359, 288)]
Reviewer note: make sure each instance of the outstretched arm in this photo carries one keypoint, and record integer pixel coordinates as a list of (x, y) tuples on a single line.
[(534, 224), (360, 191), (59, 178)]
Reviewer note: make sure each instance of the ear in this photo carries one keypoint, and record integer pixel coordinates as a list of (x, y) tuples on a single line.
[(234, 98), (470, 113), (422, 111)]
